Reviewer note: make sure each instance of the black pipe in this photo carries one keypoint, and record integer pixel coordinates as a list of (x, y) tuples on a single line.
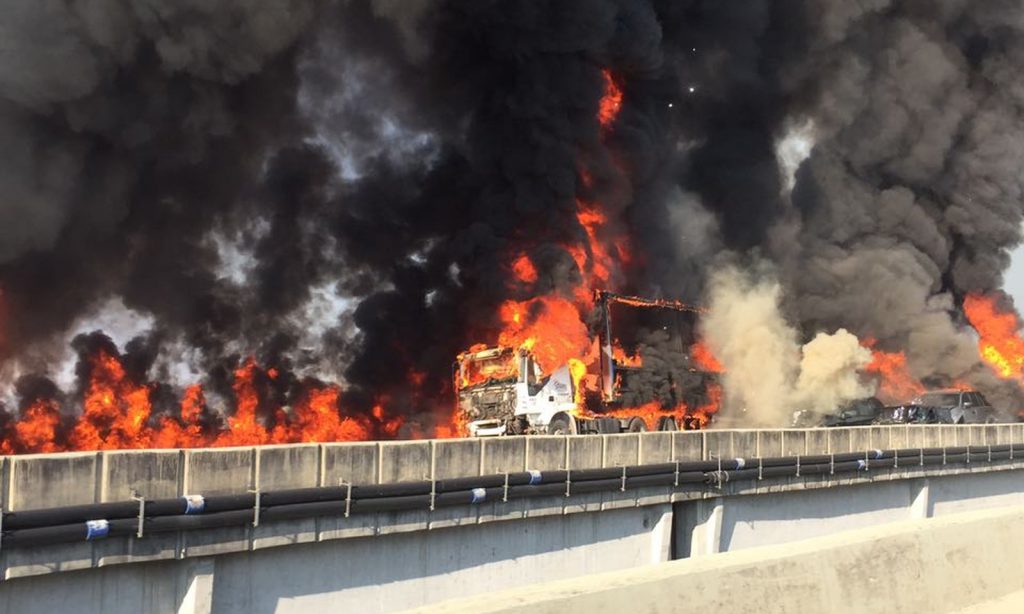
[(223, 503), (57, 525)]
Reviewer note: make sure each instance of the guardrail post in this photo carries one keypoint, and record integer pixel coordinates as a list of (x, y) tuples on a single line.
[(142, 512), (256, 508), (348, 495)]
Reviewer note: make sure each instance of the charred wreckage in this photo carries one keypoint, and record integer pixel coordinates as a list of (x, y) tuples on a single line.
[(504, 391)]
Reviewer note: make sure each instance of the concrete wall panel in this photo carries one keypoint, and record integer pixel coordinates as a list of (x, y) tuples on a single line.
[(1004, 434), (744, 444), (52, 480), (860, 439), (931, 437), (794, 442), (355, 463), (504, 454), (898, 437), (404, 461), (153, 474), (689, 446), (717, 444), (880, 438), (946, 435), (817, 441), (656, 448), (961, 564), (915, 436), (974, 491), (117, 550), (291, 466), (839, 441), (22, 562), (393, 572), (123, 588), (548, 451), (217, 471), (280, 468), (776, 518), (456, 458), (769, 443), (584, 453), (621, 449)]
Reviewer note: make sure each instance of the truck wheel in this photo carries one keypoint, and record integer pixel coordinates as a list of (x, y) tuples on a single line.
[(636, 425), (562, 424), (667, 423)]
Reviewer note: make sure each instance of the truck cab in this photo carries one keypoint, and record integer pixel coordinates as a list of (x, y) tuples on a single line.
[(502, 391)]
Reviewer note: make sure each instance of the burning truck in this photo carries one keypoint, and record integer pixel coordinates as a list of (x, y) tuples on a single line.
[(504, 391)]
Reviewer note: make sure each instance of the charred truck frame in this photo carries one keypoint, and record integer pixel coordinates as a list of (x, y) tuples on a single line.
[(503, 391)]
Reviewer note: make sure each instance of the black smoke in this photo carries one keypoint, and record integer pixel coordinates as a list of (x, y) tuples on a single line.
[(390, 159)]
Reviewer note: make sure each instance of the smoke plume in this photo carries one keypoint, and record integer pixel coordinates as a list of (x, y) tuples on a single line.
[(339, 188), (768, 374)]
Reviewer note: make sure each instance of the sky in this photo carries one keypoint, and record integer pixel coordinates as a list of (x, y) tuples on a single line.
[(1014, 280)]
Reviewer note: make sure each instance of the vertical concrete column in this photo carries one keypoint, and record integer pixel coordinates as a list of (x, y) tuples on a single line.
[(661, 537), (707, 534), (920, 500), (197, 597)]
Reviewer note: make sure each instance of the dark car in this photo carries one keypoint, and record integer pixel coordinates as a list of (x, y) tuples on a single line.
[(947, 407), (855, 413)]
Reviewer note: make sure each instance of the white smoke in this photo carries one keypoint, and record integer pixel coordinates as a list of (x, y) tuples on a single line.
[(768, 375), (829, 372)]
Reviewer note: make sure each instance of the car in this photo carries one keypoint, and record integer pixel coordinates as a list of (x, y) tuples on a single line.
[(854, 413), (947, 407)]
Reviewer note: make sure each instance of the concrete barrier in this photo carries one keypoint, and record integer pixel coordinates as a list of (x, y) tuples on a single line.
[(581, 453), (735, 515), (621, 449), (49, 480), (935, 565), (355, 463)]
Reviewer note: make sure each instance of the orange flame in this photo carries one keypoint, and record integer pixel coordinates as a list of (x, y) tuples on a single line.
[(115, 411), (188, 431), (1000, 344), (37, 429), (316, 418), (592, 220), (550, 325), (524, 270), (243, 428), (702, 357), (895, 383), (117, 414), (611, 101), (624, 360)]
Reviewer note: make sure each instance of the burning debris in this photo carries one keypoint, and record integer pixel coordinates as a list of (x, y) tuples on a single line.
[(314, 206)]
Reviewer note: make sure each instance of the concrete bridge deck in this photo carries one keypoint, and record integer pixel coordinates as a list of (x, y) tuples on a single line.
[(964, 563), (392, 560)]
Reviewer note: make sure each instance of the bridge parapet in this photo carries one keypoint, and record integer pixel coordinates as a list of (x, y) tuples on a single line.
[(54, 480)]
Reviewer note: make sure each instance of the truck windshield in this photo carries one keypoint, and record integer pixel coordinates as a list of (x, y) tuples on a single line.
[(474, 371)]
